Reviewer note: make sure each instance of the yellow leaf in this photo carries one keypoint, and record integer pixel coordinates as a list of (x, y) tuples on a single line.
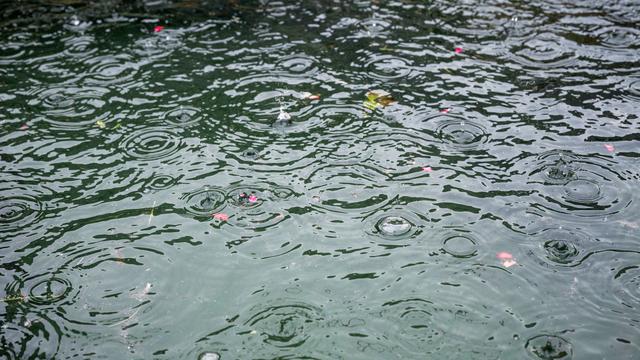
[(377, 98), (101, 124)]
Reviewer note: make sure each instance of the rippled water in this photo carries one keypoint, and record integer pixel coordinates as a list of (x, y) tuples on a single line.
[(187, 180)]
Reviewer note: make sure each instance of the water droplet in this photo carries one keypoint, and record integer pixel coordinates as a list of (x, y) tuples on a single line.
[(549, 347), (393, 226), (460, 245), (209, 356)]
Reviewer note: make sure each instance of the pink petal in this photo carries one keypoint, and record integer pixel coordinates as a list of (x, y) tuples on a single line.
[(458, 50), (427, 169), (609, 147), (253, 198), (314, 97), (503, 255), (508, 263), (445, 110), (158, 28), (220, 216), (24, 127)]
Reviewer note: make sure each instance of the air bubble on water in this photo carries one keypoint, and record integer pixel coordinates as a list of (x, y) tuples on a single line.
[(74, 20)]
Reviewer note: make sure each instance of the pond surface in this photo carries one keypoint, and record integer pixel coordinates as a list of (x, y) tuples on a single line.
[(320, 180)]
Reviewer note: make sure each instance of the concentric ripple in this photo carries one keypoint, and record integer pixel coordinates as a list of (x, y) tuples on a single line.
[(632, 91), (18, 211), (183, 116), (336, 119), (582, 192), (549, 347), (394, 225), (374, 26), (151, 144), (543, 51), (387, 67), (556, 167), (462, 135), (80, 46), (297, 65), (415, 320), (628, 286), (460, 244), (108, 70), (161, 182), (345, 150), (204, 201), (49, 291), (71, 107), (582, 186), (286, 325), (157, 45), (619, 37), (562, 247)]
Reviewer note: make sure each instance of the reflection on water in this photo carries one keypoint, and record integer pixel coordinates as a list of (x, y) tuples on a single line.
[(319, 180)]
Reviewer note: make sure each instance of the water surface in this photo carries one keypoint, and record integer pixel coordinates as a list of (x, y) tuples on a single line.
[(181, 179)]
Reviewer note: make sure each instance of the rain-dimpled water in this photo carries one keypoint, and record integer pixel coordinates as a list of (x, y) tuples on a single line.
[(319, 179)]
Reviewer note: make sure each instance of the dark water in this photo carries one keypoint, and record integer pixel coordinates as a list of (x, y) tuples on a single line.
[(485, 208)]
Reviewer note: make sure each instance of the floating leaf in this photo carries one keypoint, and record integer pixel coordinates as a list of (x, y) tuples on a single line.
[(101, 124), (376, 98)]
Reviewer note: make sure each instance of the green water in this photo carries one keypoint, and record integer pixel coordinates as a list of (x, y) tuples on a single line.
[(228, 185)]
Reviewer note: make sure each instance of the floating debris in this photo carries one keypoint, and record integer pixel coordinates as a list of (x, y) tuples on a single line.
[(245, 199), (284, 116), (220, 216), (151, 213), (506, 258), (310, 96), (142, 294), (378, 98)]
